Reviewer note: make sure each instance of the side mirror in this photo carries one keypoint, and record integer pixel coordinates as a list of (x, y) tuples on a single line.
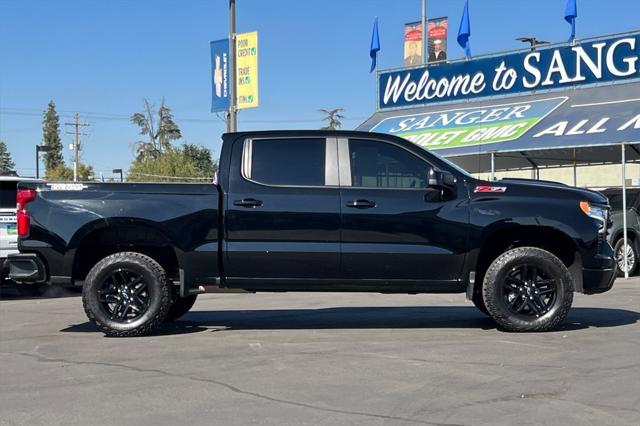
[(442, 179)]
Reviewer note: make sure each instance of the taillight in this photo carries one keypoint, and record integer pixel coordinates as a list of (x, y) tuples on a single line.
[(24, 223), (23, 197)]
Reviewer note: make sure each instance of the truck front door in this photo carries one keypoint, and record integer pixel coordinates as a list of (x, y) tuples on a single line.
[(282, 216), (394, 227)]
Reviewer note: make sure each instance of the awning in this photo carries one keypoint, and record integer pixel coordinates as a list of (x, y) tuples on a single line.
[(560, 128)]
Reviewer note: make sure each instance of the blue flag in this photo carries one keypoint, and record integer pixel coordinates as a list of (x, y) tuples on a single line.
[(464, 32), (375, 46), (570, 15)]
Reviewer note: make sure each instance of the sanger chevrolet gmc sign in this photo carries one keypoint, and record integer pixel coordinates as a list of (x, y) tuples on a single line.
[(597, 61), (451, 128)]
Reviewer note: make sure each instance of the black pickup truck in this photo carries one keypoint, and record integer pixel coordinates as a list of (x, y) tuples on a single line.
[(317, 211)]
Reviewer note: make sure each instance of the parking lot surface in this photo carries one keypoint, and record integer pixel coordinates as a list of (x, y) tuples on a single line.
[(323, 359)]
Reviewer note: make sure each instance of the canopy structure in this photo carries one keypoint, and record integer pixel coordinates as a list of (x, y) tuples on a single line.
[(571, 127)]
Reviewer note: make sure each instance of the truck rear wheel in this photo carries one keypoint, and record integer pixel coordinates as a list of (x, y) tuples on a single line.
[(126, 294), (528, 289), (180, 307)]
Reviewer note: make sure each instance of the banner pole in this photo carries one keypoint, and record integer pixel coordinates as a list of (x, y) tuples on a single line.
[(425, 34), (232, 116)]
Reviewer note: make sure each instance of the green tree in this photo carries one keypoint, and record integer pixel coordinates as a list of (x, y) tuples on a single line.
[(64, 173), (201, 157), (158, 126), (189, 163), (6, 163), (333, 118), (51, 138)]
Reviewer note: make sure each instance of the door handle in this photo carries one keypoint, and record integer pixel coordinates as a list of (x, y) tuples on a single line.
[(361, 204), (248, 203)]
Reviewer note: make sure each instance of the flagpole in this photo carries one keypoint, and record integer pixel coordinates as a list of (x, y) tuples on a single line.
[(425, 34)]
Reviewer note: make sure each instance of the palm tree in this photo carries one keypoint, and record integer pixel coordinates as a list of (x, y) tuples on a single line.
[(160, 135), (333, 118)]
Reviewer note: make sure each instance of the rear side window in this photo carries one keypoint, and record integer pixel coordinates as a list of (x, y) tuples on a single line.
[(292, 162), (8, 194)]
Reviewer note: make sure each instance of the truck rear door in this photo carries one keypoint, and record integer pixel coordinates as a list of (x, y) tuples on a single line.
[(282, 215)]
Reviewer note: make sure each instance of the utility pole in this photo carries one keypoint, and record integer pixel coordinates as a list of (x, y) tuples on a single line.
[(232, 115), (425, 34), (76, 142)]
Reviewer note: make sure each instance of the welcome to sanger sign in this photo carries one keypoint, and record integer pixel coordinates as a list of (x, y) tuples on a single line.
[(597, 61)]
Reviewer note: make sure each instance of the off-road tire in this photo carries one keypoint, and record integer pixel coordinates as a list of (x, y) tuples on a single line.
[(618, 247), (492, 289), (180, 307), (157, 283)]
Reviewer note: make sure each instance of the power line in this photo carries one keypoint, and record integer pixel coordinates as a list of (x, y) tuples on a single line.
[(32, 112)]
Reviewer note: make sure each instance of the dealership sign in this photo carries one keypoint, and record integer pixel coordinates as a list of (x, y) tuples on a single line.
[(597, 61), (459, 127)]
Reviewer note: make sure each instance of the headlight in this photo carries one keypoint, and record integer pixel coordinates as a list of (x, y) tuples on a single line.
[(598, 213)]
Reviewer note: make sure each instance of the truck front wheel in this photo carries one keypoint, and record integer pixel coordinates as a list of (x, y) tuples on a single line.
[(528, 289), (126, 294)]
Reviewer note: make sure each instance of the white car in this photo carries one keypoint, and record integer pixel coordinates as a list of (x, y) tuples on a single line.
[(8, 223)]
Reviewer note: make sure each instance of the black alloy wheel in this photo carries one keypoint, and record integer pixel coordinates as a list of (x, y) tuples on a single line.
[(529, 291), (124, 295)]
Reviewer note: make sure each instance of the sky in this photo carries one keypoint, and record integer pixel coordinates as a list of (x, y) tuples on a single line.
[(102, 58)]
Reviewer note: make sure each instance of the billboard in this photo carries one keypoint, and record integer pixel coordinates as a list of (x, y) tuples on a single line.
[(592, 116), (220, 75), (595, 61), (437, 48), (247, 70), (458, 127)]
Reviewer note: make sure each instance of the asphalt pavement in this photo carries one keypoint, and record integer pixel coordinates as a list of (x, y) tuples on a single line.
[(323, 359)]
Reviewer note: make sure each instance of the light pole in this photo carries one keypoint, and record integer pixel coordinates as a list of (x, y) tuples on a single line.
[(118, 171), (232, 115), (39, 149), (533, 42)]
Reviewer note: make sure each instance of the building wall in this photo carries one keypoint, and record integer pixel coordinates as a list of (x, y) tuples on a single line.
[(587, 176)]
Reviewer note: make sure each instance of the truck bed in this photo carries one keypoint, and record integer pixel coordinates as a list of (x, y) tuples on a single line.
[(177, 221)]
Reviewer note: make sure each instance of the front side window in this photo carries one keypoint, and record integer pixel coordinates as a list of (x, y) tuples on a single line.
[(377, 164), (292, 162)]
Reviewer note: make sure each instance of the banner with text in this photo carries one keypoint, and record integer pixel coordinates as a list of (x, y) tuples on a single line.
[(220, 75), (247, 70), (595, 61)]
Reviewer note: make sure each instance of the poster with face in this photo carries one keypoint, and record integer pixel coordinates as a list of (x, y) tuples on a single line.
[(438, 40), (412, 44), (437, 49)]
